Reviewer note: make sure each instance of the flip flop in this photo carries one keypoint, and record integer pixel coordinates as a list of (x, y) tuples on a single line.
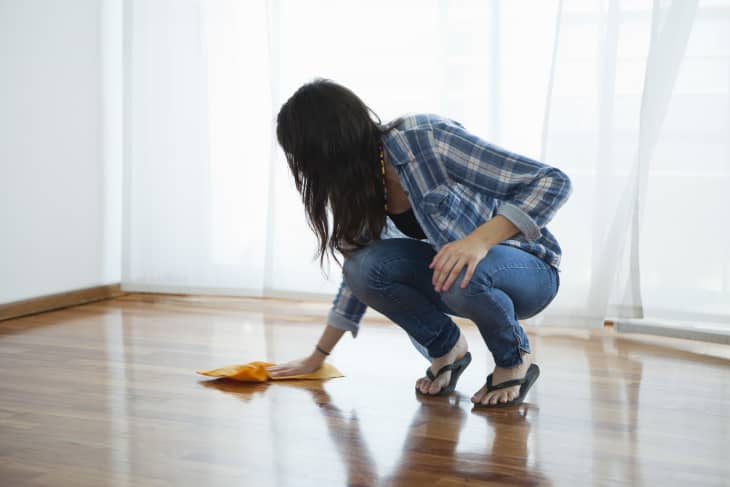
[(456, 368), (533, 372)]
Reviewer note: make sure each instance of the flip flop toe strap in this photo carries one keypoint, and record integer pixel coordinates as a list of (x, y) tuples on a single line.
[(441, 371), (505, 384), (452, 366)]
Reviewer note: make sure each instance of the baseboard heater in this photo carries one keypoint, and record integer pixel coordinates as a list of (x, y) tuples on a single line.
[(701, 331)]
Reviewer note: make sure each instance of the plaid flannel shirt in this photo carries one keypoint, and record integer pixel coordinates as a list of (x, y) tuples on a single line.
[(455, 182)]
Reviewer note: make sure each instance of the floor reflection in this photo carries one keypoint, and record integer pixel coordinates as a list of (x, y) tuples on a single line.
[(431, 448), (599, 392), (622, 388), (106, 394), (505, 460)]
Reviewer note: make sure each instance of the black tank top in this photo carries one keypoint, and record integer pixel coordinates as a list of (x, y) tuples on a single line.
[(407, 223)]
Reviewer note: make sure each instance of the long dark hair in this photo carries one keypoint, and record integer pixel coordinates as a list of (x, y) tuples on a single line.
[(330, 139)]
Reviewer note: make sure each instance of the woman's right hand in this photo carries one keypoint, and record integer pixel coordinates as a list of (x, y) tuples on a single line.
[(295, 367)]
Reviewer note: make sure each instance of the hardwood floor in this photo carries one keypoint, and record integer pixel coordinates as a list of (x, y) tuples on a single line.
[(106, 394)]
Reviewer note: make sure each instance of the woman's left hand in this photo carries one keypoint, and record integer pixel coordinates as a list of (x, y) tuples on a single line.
[(451, 259)]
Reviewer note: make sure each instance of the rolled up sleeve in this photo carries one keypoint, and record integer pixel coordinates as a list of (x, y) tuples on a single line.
[(530, 192), (347, 311)]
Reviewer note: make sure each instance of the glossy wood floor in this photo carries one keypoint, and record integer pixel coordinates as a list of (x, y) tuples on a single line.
[(105, 394)]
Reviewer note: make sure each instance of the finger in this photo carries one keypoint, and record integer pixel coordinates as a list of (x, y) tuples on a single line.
[(460, 263), (445, 270), (436, 274), (438, 270), (282, 370), (454, 273), (435, 258), (439, 255), (437, 265), (443, 274), (469, 273)]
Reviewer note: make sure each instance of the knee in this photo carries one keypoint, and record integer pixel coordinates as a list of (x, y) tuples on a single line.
[(455, 298), (361, 268), (458, 298), (373, 267)]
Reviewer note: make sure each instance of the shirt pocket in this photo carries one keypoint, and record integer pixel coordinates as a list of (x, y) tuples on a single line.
[(457, 208), (442, 204)]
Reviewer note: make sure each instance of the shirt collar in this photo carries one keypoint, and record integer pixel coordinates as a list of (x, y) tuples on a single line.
[(397, 146)]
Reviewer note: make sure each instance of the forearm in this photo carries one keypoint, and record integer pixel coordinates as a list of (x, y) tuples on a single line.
[(330, 337), (494, 231), (327, 341)]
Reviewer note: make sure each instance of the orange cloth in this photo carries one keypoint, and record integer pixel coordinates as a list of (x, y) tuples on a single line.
[(256, 372)]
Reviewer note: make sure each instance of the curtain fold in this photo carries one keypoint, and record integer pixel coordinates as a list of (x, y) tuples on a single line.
[(629, 97), (608, 133), (198, 146)]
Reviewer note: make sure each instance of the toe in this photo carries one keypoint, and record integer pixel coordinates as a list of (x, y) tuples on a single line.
[(495, 397), (479, 395), (435, 387), (485, 398), (506, 396)]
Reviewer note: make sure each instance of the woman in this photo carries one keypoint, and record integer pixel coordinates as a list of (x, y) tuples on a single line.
[(469, 237)]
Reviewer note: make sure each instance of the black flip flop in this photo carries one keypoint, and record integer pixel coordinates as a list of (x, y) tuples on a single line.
[(533, 372), (456, 369)]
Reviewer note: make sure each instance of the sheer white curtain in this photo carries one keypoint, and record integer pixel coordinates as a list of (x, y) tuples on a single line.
[(639, 117), (628, 97), (196, 167)]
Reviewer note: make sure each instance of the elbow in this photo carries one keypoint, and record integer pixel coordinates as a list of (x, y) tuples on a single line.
[(566, 185)]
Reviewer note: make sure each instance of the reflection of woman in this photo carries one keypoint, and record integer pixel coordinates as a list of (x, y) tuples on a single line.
[(473, 216)]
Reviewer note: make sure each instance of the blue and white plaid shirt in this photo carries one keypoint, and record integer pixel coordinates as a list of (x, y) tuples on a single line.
[(455, 182)]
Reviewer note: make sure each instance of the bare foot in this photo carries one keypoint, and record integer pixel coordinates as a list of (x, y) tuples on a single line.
[(498, 376), (425, 385)]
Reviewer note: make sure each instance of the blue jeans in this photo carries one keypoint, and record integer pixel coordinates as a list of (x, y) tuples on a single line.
[(392, 276)]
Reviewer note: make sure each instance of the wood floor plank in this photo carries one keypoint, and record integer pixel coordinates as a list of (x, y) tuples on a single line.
[(105, 394)]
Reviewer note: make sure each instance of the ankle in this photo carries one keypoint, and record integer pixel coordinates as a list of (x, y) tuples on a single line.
[(457, 351)]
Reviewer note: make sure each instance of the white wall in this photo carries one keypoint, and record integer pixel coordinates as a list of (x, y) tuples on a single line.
[(60, 163)]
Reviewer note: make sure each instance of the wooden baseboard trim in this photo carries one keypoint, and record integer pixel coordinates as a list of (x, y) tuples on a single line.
[(60, 300)]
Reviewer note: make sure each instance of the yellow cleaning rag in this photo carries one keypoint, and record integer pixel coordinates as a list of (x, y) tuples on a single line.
[(256, 372)]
